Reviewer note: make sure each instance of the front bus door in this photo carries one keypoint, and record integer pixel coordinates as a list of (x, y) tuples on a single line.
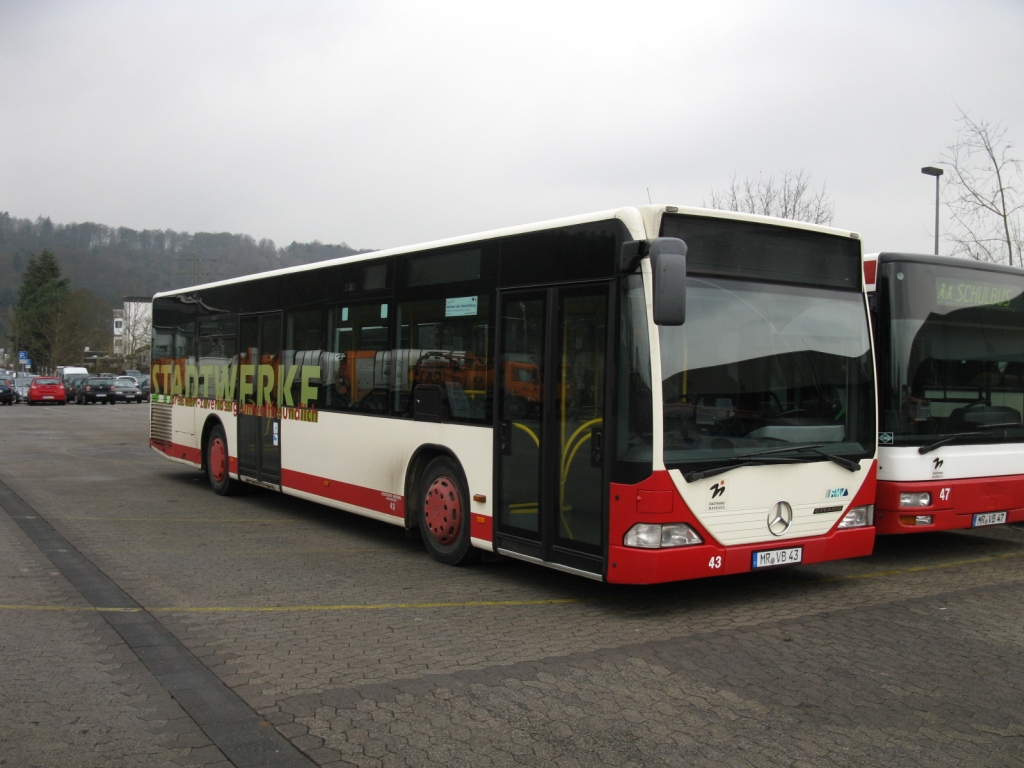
[(259, 425), (550, 469)]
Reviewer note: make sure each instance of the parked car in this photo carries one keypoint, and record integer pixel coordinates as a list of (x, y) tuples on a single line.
[(95, 389), (133, 373), (132, 379), (46, 389), (7, 392), (21, 384), (78, 385), (125, 390), (71, 387), (144, 386)]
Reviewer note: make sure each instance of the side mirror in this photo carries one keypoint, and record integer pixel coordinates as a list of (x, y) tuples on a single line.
[(668, 265), (668, 268)]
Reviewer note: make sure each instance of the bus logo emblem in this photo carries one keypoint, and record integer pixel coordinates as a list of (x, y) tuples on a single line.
[(837, 493), (937, 462), (780, 517), (716, 496)]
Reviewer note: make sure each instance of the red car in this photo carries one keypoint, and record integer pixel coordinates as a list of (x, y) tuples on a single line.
[(45, 389)]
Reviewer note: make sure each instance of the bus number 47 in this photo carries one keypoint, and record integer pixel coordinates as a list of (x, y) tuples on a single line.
[(944, 494), (715, 562)]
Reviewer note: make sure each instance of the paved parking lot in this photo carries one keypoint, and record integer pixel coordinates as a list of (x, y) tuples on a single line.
[(146, 621)]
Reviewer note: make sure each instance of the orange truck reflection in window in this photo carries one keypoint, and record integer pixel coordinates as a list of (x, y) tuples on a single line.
[(523, 388), (474, 374)]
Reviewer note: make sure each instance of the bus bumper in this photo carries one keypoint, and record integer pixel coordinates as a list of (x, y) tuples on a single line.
[(954, 503), (629, 565)]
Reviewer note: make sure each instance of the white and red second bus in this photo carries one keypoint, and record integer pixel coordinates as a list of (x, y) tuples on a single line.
[(949, 337), (639, 395)]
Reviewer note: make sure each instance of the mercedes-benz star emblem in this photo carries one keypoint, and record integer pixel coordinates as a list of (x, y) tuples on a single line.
[(780, 517)]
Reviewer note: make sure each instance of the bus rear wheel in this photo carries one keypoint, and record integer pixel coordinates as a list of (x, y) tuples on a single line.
[(444, 513), (217, 463)]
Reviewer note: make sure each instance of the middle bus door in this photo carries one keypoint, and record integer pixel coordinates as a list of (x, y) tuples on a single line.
[(259, 425), (550, 468)]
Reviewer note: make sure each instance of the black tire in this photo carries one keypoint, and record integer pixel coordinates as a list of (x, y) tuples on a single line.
[(444, 513), (217, 462)]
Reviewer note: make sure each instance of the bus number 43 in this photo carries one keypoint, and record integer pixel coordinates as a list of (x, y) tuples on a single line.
[(715, 562)]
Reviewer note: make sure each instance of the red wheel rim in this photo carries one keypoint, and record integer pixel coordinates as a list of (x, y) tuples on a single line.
[(442, 511), (218, 459)]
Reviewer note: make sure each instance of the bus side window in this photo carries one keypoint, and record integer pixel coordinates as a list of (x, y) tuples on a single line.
[(445, 344), (357, 368), (218, 357), (302, 363)]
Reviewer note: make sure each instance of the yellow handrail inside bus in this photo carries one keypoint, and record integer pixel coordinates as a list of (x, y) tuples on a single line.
[(528, 431)]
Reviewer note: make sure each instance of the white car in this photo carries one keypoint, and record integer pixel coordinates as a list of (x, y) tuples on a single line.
[(21, 385)]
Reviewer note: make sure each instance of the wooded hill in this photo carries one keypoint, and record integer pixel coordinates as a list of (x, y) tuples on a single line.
[(112, 262)]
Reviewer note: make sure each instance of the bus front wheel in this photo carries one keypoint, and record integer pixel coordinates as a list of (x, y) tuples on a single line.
[(444, 513), (217, 463)]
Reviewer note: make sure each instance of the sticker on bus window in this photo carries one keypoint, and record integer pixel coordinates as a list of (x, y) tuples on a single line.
[(460, 307)]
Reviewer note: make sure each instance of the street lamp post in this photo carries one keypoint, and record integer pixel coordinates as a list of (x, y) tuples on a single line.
[(930, 170)]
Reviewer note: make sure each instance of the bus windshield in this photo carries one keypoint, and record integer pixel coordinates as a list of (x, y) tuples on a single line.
[(759, 366), (955, 354)]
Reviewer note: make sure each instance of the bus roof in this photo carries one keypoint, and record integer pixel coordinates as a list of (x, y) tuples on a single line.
[(946, 261), (642, 221)]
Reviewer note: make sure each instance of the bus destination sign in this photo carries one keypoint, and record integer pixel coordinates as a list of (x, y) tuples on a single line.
[(969, 293)]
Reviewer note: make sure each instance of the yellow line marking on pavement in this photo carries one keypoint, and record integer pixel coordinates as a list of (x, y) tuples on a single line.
[(920, 568), (460, 604), (167, 519), (258, 552), (369, 606)]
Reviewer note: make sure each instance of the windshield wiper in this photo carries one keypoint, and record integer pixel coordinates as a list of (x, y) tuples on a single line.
[(747, 459), (929, 447), (850, 464), (853, 466)]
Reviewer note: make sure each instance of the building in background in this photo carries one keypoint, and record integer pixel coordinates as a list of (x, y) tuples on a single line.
[(133, 329)]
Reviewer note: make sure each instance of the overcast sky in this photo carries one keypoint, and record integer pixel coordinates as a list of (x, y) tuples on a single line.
[(386, 123)]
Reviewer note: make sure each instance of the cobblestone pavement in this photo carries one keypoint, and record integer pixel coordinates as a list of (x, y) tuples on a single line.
[(360, 650)]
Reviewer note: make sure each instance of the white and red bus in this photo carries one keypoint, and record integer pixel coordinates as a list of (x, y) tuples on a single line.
[(949, 336), (640, 395)]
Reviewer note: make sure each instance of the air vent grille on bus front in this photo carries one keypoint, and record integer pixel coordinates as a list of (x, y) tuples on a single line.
[(160, 421)]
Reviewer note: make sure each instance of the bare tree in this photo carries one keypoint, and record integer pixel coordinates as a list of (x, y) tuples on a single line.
[(984, 193), (790, 197), (137, 332)]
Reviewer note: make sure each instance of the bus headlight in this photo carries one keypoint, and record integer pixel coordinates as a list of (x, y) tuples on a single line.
[(859, 517), (915, 499), (657, 536)]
